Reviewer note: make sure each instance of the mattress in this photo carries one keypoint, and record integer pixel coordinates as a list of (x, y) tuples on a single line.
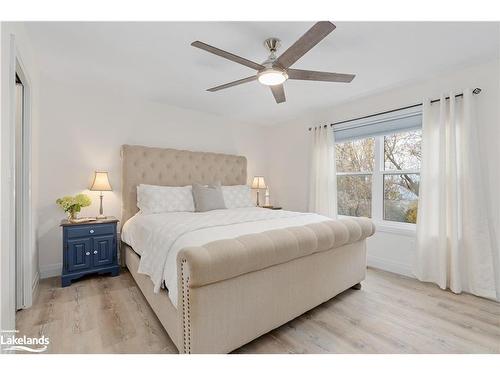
[(158, 238)]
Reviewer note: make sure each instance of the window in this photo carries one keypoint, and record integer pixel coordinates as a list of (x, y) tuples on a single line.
[(378, 168), (402, 155), (354, 177)]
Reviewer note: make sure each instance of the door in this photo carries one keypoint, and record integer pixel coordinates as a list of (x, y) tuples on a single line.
[(79, 256), (104, 250), (18, 192)]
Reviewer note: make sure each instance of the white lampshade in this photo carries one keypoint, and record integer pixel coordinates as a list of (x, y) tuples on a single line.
[(101, 182), (259, 183)]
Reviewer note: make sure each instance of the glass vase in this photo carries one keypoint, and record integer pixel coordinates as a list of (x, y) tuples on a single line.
[(72, 216)]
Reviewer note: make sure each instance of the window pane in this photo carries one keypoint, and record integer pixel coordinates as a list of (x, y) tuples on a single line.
[(355, 156), (401, 197), (354, 194), (403, 150)]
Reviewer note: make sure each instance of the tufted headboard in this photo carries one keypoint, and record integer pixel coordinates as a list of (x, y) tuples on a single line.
[(170, 167)]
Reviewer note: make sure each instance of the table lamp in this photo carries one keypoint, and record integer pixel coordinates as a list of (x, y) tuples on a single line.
[(101, 183), (258, 183)]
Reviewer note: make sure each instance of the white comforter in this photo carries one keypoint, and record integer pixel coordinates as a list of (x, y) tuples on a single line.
[(159, 237)]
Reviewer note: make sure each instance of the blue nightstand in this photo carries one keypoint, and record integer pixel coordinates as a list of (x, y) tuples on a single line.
[(89, 248)]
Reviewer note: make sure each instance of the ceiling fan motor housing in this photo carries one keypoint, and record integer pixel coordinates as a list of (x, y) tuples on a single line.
[(272, 44)]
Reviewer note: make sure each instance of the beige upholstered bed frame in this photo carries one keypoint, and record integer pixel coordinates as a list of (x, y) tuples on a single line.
[(233, 291)]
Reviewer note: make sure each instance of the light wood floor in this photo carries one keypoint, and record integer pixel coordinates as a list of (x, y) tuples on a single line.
[(391, 314)]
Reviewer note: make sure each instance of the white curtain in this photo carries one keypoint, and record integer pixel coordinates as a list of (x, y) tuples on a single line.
[(323, 179), (456, 246)]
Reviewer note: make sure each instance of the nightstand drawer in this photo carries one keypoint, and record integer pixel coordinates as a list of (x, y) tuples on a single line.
[(90, 230)]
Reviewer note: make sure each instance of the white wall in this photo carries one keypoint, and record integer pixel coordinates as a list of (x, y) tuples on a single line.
[(82, 131), (288, 149), (23, 51)]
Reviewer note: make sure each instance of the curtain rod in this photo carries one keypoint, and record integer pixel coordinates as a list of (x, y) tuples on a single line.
[(476, 91)]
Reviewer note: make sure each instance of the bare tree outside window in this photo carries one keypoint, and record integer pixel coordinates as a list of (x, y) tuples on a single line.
[(354, 162), (400, 167), (402, 152), (355, 156)]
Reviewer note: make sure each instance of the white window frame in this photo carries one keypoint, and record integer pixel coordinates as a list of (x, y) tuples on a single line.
[(377, 207)]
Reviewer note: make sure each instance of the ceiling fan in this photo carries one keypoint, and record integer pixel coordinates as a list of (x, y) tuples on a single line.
[(276, 70)]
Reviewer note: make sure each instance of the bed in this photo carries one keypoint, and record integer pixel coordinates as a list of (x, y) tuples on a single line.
[(226, 277)]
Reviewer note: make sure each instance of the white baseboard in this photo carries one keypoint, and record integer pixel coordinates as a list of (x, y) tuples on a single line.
[(390, 265), (50, 270)]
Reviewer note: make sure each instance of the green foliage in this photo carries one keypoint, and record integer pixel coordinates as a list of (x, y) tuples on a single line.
[(74, 204), (411, 214)]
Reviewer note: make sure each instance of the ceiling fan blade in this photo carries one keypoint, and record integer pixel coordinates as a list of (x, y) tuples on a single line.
[(311, 75), (227, 55), (279, 93), (307, 41), (234, 83)]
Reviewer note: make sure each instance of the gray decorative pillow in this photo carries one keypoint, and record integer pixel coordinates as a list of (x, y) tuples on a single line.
[(208, 197)]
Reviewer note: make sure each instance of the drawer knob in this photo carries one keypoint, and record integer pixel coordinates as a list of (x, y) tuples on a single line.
[(91, 231), (87, 253), (95, 251)]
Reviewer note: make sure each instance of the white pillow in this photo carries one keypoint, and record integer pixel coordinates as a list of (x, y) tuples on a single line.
[(153, 199), (237, 196)]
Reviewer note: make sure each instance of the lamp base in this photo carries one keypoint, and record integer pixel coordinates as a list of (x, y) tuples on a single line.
[(100, 216)]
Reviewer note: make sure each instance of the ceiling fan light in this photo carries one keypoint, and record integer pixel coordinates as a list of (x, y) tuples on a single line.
[(272, 77)]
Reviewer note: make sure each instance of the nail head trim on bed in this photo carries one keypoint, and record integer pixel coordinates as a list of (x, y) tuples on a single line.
[(186, 313)]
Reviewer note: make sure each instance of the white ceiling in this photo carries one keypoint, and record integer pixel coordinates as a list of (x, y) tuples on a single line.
[(155, 60)]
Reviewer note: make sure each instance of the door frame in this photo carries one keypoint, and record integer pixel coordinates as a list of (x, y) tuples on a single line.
[(13, 63), (24, 282)]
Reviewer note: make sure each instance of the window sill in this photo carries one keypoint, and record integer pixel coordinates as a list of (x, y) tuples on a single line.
[(402, 229), (386, 226)]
